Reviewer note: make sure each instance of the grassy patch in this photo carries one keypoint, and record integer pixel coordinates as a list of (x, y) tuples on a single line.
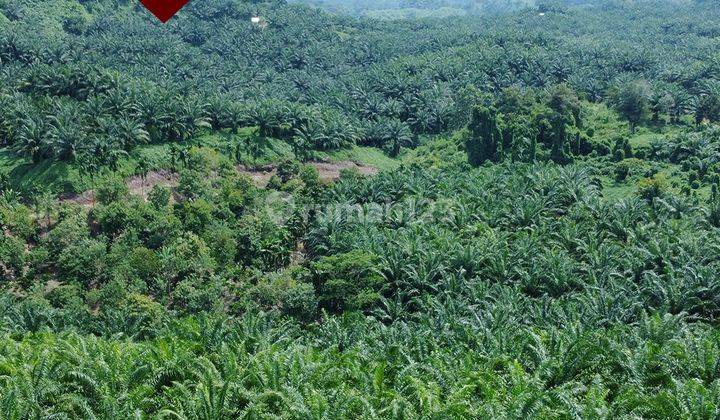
[(23, 175), (439, 152), (246, 146), (606, 126), (603, 122), (644, 136), (369, 156), (63, 177)]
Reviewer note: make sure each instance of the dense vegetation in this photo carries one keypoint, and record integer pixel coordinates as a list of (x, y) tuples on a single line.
[(76, 91), (404, 9), (541, 242)]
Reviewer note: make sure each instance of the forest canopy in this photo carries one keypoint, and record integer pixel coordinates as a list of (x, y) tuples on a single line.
[(408, 209)]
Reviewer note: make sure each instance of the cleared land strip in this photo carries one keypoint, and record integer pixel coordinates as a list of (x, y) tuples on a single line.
[(328, 171)]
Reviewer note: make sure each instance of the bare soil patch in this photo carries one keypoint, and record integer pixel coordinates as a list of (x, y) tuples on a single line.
[(328, 171)]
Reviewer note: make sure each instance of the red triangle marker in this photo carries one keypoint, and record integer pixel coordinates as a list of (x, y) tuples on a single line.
[(164, 9)]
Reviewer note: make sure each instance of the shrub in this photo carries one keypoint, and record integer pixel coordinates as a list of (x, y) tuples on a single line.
[(112, 218), (284, 293), (66, 296), (238, 192), (621, 172), (196, 214), (186, 256), (150, 314), (628, 167), (12, 254), (18, 219), (161, 228), (144, 263), (350, 281), (70, 229), (274, 183), (159, 197), (622, 149), (655, 187), (221, 240), (311, 180), (111, 189), (293, 185), (195, 295), (203, 159), (262, 242), (83, 261), (193, 184), (288, 169)]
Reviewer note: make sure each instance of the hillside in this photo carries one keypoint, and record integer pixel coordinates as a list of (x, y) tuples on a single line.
[(413, 9), (338, 215)]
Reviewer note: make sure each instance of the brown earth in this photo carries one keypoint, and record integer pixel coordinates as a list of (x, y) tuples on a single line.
[(328, 171)]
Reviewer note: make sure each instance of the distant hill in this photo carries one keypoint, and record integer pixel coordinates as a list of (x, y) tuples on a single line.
[(404, 9), (417, 8)]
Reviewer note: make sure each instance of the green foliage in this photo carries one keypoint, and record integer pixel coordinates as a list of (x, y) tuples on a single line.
[(349, 281), (196, 215), (17, 219), (629, 167), (193, 184), (486, 137), (370, 82), (708, 107), (111, 189), (83, 262), (284, 293), (288, 170), (12, 254), (185, 257), (526, 259), (654, 187), (527, 122), (632, 100), (159, 197), (622, 149), (66, 296), (222, 242), (192, 295)]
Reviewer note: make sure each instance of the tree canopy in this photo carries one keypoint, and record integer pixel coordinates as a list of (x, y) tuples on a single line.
[(487, 214)]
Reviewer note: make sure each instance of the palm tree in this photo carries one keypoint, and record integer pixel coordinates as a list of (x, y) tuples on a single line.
[(174, 156), (67, 139), (89, 167), (237, 116), (397, 135), (143, 168), (264, 119), (31, 139), (129, 132), (184, 156), (119, 101), (220, 112), (190, 116), (309, 135), (151, 109), (708, 103), (301, 148), (45, 206)]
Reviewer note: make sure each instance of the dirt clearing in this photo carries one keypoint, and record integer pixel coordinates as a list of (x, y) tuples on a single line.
[(328, 171)]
